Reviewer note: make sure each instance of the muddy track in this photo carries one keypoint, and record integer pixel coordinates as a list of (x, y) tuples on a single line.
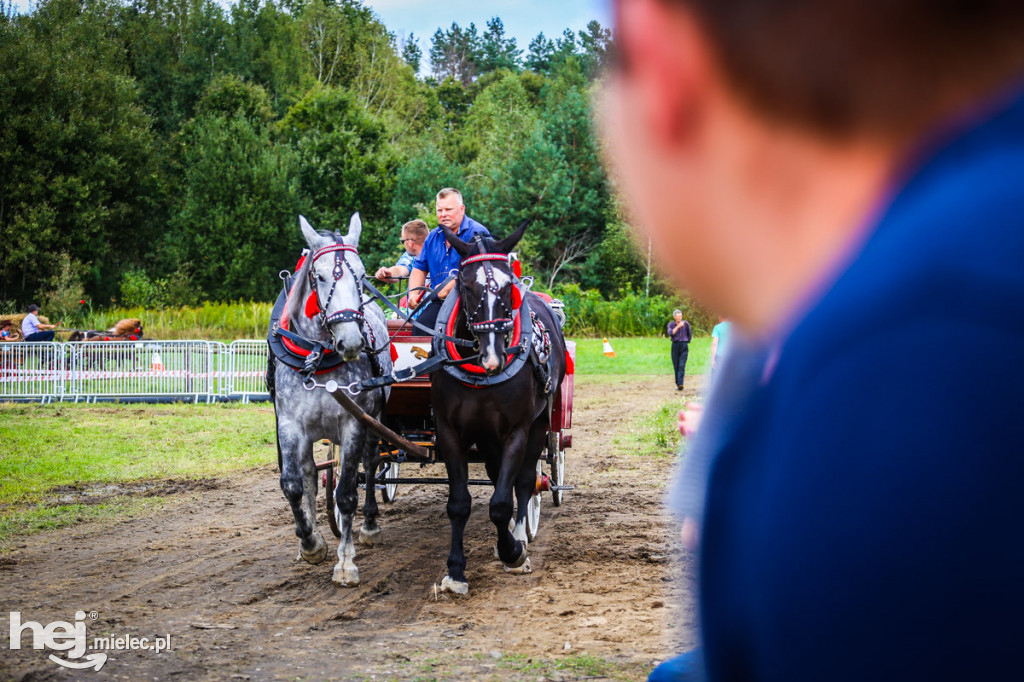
[(216, 569)]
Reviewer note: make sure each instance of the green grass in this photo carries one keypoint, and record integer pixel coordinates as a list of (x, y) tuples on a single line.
[(655, 433), (639, 356), (580, 666), (435, 668), (46, 446), (210, 321)]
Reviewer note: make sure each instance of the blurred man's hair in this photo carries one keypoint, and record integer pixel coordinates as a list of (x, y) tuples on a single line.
[(882, 67), (417, 229), (448, 191)]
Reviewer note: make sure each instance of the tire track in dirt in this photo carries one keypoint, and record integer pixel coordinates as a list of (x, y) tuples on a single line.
[(604, 580)]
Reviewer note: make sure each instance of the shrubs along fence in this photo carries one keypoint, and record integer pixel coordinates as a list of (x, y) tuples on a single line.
[(588, 314)]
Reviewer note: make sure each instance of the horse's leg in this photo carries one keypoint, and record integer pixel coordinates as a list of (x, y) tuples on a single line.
[(526, 481), (346, 499), (459, 504), (370, 533), (298, 483), (512, 552)]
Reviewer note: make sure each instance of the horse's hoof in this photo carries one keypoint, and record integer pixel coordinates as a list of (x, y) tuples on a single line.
[(454, 586), (317, 554), (517, 566), (370, 538), (345, 577), (521, 569)]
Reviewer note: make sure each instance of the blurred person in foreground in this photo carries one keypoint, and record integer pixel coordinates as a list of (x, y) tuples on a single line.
[(844, 180)]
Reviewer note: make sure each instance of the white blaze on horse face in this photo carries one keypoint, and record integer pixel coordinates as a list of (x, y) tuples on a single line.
[(489, 352), (347, 336)]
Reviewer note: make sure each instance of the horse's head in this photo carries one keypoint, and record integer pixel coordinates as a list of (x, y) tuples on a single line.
[(336, 281), (489, 297)]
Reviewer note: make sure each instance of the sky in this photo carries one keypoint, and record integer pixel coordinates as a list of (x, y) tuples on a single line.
[(523, 19)]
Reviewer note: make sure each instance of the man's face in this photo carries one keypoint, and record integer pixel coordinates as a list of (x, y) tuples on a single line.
[(412, 244), (450, 211), (679, 317), (664, 145)]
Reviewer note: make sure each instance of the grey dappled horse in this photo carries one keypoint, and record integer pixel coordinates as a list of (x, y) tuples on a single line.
[(350, 325)]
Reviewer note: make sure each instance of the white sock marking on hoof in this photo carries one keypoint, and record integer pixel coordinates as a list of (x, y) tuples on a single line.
[(521, 570), (345, 577), (370, 538), (519, 533), (454, 586)]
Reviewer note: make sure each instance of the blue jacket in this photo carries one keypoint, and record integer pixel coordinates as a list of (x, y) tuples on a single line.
[(864, 505), (438, 259)]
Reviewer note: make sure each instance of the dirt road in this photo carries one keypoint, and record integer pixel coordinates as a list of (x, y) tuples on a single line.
[(216, 570)]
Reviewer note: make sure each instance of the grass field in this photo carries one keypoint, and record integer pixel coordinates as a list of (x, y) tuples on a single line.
[(64, 463), (639, 356)]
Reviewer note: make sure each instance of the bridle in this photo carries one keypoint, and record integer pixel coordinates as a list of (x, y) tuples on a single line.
[(497, 324), (338, 273)]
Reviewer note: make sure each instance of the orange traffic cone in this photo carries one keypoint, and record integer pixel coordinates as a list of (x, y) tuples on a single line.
[(609, 352), (157, 365)]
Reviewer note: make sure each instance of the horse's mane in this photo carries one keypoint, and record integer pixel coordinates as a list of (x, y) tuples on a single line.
[(296, 303), (295, 306)]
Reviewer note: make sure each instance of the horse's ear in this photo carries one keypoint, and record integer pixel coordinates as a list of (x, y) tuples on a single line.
[(509, 242), (461, 247), (312, 238), (355, 228)]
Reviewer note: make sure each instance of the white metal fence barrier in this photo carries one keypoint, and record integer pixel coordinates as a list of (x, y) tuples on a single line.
[(134, 370)]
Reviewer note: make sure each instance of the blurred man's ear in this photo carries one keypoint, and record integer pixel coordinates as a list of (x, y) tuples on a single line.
[(665, 57)]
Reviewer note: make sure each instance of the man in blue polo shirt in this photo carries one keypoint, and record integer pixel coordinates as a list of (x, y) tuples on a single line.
[(438, 259)]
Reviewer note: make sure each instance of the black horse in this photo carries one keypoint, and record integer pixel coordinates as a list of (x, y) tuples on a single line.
[(507, 414)]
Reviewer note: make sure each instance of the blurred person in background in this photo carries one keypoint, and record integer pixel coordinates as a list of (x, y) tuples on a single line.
[(843, 180), (681, 334)]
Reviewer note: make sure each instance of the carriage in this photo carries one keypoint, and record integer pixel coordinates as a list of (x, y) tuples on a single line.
[(408, 413), (491, 383)]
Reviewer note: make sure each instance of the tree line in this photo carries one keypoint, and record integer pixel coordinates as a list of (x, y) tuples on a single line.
[(157, 152)]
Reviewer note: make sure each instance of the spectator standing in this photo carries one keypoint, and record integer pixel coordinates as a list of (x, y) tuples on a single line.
[(681, 334), (720, 342)]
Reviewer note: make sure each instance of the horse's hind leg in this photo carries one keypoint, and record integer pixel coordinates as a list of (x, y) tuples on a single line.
[(526, 481), (370, 533), (346, 499), (298, 483)]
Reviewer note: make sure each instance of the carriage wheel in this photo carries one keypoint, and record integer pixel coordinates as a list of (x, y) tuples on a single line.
[(390, 489), (334, 453), (558, 477), (533, 510)]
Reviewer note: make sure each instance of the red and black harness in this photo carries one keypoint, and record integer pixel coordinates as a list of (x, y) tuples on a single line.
[(311, 356)]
